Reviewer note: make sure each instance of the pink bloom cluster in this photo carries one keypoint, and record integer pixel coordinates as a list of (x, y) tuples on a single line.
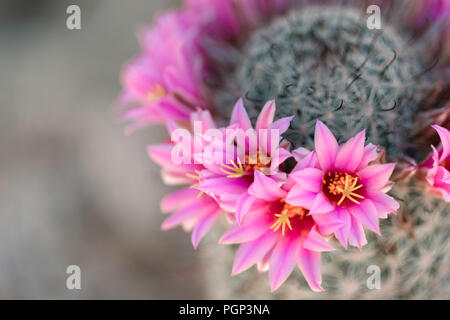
[(281, 215), (166, 81), (280, 219)]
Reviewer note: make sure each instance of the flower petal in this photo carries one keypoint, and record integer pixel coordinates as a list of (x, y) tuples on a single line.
[(326, 146), (266, 115), (444, 134), (356, 237), (283, 260), (369, 155), (384, 204), (366, 214), (282, 124), (177, 199), (194, 210), (310, 179), (243, 205), (252, 252), (240, 116), (265, 188), (202, 227), (298, 196), (314, 241), (376, 176), (328, 223), (251, 228), (350, 153), (310, 264), (321, 205), (342, 234)]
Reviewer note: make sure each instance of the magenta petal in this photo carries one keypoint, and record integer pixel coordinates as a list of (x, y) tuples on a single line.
[(194, 210), (177, 199), (376, 177), (265, 188), (245, 232), (221, 184), (342, 234), (326, 146), (350, 154), (161, 154), (283, 260), (240, 116), (204, 116), (369, 155), (252, 252), (366, 214), (202, 227), (321, 205), (328, 223), (384, 204), (314, 241), (283, 154), (282, 124), (356, 237), (266, 115), (310, 179), (243, 205), (298, 196), (444, 134), (310, 264)]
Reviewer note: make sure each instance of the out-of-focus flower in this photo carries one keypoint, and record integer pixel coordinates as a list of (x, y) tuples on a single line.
[(193, 209), (342, 186), (225, 19), (245, 151), (165, 81), (437, 166), (277, 235)]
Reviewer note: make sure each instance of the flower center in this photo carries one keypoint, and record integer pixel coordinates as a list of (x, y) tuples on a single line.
[(256, 162), (341, 188), (283, 218)]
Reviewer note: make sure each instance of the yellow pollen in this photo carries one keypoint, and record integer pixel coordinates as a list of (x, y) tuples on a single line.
[(257, 162), (289, 211), (345, 185), (156, 93), (233, 171)]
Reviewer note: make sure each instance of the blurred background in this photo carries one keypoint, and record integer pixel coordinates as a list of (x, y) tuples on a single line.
[(73, 189)]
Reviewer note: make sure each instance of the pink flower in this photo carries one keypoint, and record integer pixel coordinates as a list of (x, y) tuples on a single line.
[(227, 19), (193, 209), (341, 190), (437, 166), (164, 82), (229, 180), (277, 235)]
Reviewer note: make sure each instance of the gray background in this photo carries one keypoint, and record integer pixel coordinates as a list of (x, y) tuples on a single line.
[(73, 188)]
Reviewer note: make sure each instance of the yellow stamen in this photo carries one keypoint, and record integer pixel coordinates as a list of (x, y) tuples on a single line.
[(289, 211), (345, 187), (256, 162), (283, 220), (234, 171)]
